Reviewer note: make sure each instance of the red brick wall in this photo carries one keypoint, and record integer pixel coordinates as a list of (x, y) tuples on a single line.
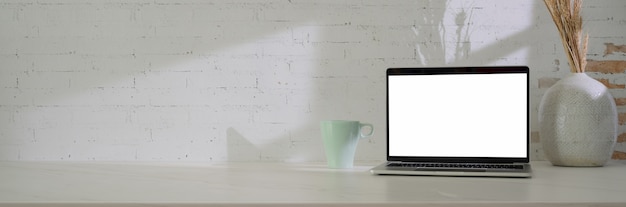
[(614, 68)]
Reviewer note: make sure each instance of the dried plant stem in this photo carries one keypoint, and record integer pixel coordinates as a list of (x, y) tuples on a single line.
[(566, 16)]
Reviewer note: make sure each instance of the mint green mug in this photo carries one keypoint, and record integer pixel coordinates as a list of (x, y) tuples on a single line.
[(340, 140)]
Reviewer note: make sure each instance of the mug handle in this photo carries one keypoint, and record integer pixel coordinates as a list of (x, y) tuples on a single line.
[(361, 125)]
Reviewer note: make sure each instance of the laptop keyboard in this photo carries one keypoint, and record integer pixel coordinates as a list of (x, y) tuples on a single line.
[(458, 165)]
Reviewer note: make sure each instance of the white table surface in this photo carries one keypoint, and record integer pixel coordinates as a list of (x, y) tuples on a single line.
[(312, 184)]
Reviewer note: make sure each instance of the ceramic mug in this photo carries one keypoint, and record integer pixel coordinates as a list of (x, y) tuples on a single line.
[(340, 140)]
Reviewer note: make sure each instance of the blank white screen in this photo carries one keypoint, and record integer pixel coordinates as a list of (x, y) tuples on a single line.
[(469, 115)]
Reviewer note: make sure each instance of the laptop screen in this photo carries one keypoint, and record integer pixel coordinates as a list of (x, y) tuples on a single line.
[(476, 112)]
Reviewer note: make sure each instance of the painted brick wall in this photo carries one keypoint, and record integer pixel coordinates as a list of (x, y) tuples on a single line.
[(249, 80)]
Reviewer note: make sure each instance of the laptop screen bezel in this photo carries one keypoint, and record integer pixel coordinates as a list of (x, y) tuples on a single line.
[(462, 70)]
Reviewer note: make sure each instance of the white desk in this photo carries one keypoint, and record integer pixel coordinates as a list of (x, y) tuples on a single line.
[(246, 184)]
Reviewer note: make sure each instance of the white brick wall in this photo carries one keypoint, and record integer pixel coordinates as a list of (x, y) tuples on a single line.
[(248, 79)]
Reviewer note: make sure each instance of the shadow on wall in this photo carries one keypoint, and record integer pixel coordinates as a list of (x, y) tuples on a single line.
[(123, 81), (222, 81), (447, 30), (161, 81), (430, 25)]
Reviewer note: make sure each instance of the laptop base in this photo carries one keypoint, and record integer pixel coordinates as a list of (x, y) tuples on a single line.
[(385, 169)]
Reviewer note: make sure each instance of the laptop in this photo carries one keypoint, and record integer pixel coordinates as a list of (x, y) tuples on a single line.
[(457, 121)]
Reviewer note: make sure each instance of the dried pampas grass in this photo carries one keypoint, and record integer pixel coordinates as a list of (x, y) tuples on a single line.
[(566, 16)]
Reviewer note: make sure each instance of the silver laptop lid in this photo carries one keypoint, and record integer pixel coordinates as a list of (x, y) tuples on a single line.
[(458, 114)]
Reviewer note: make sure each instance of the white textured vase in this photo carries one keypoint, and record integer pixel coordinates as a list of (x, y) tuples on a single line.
[(578, 121)]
